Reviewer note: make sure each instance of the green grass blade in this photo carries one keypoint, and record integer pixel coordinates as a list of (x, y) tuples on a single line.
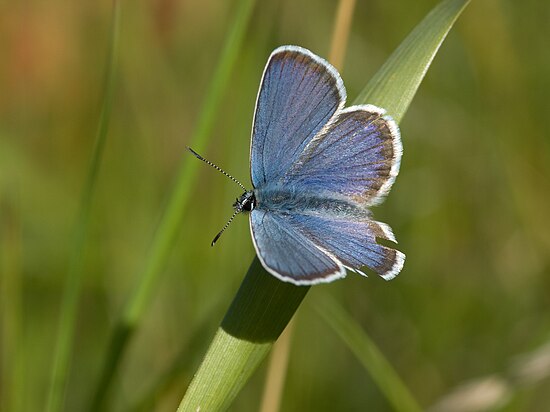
[(71, 295), (12, 354), (233, 357), (259, 313), (171, 221), (369, 355), (395, 84)]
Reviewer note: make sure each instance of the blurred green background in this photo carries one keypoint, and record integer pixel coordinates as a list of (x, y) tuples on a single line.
[(471, 207)]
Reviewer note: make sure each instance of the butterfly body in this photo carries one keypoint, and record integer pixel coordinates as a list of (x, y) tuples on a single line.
[(287, 199)]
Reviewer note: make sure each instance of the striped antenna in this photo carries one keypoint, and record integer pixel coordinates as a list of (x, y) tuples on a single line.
[(225, 227), (219, 169)]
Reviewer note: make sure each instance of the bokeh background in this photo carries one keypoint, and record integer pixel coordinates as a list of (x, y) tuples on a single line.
[(471, 207)]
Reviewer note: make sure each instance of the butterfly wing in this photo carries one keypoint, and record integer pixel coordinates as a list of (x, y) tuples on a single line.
[(353, 242), (356, 157), (299, 94), (287, 253)]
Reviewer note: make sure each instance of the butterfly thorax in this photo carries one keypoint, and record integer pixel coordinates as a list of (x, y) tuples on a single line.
[(287, 200)]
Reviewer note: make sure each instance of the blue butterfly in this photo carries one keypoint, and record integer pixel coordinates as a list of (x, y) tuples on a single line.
[(316, 168)]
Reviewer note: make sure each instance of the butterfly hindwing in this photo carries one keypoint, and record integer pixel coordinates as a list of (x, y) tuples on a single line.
[(354, 243), (299, 94), (288, 254)]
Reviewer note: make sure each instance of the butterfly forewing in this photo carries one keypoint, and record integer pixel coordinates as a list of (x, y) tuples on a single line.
[(299, 94)]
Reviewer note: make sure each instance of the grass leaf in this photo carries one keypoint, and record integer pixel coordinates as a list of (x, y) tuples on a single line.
[(369, 355), (259, 313), (71, 294), (395, 84), (231, 360)]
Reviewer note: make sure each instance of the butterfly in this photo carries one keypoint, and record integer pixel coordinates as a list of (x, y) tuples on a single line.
[(316, 168)]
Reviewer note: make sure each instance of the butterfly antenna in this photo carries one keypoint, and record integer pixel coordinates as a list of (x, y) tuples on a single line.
[(219, 169), (225, 227)]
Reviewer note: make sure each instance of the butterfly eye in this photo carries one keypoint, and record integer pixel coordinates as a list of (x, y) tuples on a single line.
[(249, 204)]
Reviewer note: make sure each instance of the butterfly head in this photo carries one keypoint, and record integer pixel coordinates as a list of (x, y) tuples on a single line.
[(246, 202)]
